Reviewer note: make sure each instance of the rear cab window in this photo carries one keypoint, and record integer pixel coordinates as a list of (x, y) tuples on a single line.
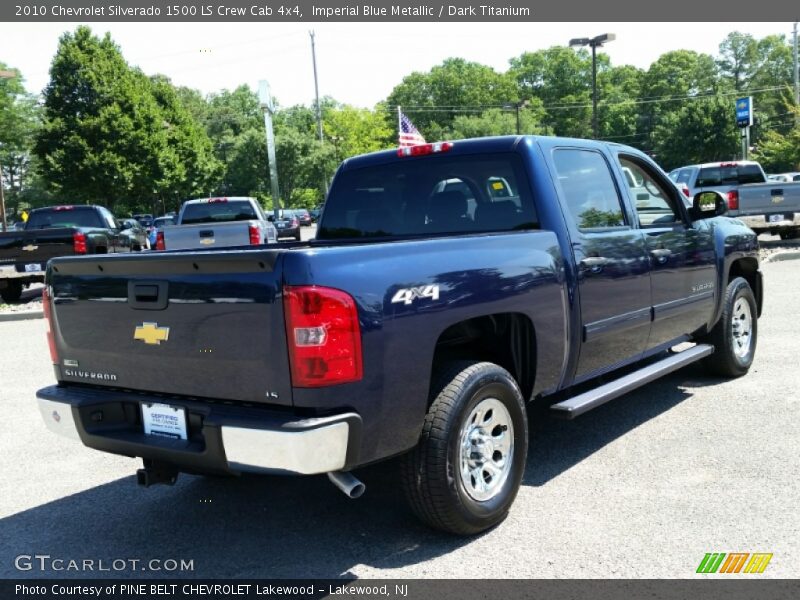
[(429, 196), (218, 211), (729, 174), (65, 216)]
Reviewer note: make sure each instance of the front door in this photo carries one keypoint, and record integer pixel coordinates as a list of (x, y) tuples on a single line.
[(613, 264), (683, 273)]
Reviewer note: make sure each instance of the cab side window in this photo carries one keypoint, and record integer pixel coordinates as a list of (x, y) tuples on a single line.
[(650, 196), (588, 189)]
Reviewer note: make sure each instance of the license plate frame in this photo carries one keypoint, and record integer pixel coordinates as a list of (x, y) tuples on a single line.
[(164, 420), (33, 267)]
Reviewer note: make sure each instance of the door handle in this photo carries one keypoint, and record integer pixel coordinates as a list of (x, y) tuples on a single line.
[(661, 255), (594, 264)]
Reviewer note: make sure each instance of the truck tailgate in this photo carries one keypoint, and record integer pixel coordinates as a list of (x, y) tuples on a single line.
[(207, 235), (35, 247), (769, 198), (196, 324)]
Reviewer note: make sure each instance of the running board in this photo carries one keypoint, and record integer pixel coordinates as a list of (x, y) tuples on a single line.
[(577, 405)]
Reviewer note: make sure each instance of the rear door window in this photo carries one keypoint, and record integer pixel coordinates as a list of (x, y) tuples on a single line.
[(588, 188), (430, 196)]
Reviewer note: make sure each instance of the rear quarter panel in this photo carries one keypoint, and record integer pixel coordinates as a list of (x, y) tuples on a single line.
[(477, 275)]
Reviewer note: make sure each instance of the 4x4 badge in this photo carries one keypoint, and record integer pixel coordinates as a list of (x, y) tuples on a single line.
[(151, 333)]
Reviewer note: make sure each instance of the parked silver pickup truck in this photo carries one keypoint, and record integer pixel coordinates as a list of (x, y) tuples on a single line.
[(764, 206), (217, 223)]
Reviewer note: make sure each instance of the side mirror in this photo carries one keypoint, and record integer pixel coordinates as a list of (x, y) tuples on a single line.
[(124, 225), (271, 218), (708, 204)]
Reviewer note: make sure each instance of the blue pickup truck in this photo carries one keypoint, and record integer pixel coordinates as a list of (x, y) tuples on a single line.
[(449, 286)]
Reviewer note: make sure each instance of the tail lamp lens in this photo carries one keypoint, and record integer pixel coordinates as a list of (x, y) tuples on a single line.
[(733, 200), (48, 316), (255, 235), (79, 242), (324, 336), (160, 241)]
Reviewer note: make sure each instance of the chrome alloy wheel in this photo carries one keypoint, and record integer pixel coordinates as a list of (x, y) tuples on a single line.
[(742, 328), (487, 449)]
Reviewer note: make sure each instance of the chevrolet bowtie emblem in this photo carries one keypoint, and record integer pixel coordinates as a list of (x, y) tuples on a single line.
[(30, 248), (151, 333), (777, 199)]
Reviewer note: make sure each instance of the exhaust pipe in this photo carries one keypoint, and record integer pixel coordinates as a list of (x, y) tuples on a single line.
[(352, 487)]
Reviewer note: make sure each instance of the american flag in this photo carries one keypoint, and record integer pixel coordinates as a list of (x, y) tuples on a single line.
[(409, 136)]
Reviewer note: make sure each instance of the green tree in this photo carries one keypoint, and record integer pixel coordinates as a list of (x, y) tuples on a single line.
[(497, 121), (19, 121), (103, 132), (354, 131), (701, 130), (434, 99)]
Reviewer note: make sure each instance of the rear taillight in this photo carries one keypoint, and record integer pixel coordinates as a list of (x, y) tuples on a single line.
[(160, 241), (79, 242), (686, 192), (733, 200), (255, 235), (48, 316), (323, 335)]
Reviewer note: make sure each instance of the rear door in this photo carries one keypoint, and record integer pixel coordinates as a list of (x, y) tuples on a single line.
[(682, 263), (612, 260)]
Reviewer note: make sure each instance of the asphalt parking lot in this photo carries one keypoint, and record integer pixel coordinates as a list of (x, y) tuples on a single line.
[(642, 487)]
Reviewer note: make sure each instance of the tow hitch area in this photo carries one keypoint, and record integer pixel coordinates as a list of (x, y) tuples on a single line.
[(154, 473)]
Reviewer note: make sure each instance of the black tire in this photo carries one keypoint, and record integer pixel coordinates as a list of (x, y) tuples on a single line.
[(431, 473), (12, 292), (298, 237), (790, 234), (726, 360)]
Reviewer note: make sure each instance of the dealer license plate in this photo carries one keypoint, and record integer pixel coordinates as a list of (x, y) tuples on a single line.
[(33, 267), (164, 420)]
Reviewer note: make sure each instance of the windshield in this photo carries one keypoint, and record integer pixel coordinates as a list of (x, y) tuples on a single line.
[(67, 216), (218, 212), (429, 196)]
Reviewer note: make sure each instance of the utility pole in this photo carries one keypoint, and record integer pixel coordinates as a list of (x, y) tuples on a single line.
[(316, 85), (265, 99), (316, 94), (796, 74)]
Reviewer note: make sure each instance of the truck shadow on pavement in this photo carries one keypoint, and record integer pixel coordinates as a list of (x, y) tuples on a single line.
[(282, 527)]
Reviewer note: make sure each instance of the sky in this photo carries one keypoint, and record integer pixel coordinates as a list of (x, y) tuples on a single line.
[(358, 63)]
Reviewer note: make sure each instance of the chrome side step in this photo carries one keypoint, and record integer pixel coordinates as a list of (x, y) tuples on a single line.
[(577, 405)]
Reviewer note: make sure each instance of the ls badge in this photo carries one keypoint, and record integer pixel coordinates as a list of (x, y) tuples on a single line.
[(151, 333)]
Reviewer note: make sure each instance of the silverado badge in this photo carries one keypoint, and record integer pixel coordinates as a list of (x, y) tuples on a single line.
[(151, 333)]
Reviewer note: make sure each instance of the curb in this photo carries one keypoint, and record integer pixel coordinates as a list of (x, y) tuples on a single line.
[(21, 316), (783, 255)]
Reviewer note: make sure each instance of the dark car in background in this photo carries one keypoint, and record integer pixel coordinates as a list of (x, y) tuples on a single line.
[(136, 234), (303, 216), (287, 224)]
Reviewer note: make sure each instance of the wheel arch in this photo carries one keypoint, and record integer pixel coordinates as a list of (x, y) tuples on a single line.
[(506, 339)]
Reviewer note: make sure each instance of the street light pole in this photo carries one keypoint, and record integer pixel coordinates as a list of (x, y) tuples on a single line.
[(796, 72), (594, 43)]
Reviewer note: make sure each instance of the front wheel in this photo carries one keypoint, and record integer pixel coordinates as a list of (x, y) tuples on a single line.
[(735, 335), (466, 470)]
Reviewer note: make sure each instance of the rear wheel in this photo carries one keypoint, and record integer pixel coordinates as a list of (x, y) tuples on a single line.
[(789, 234), (12, 292), (466, 470), (735, 335)]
